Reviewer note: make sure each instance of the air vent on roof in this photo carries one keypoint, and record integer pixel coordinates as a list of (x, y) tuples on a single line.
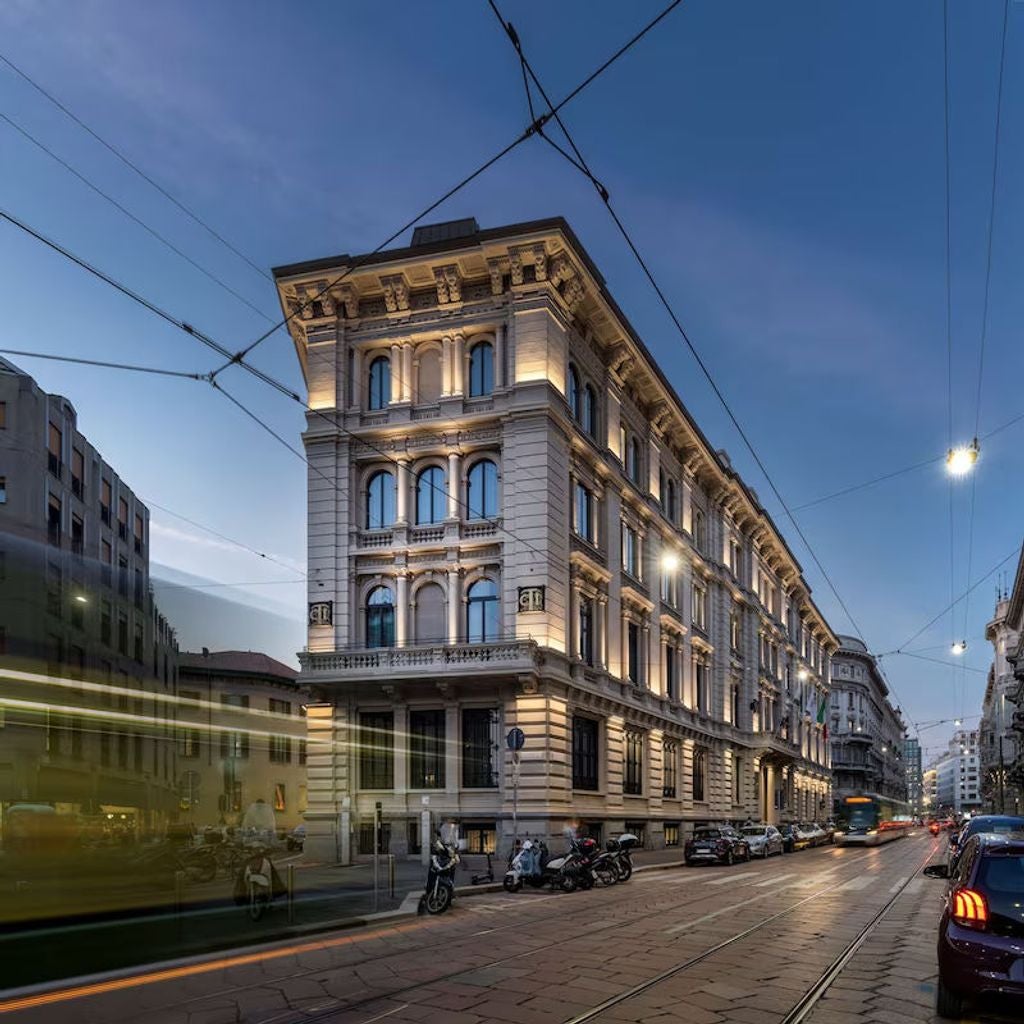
[(428, 234)]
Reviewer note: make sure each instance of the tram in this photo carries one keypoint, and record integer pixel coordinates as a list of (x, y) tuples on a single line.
[(869, 821)]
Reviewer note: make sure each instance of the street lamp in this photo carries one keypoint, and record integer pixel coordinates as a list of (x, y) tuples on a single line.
[(958, 647), (802, 674), (961, 460), (670, 561), (81, 599)]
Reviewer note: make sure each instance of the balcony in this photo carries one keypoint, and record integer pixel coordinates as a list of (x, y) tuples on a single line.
[(418, 660)]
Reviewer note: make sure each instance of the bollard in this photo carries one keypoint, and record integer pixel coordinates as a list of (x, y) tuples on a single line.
[(291, 893), (179, 899), (391, 875)]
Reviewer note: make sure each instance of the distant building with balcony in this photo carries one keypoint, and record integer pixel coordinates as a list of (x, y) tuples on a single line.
[(912, 766), (89, 663), (958, 775), (866, 731), (1000, 736), (515, 523), (242, 737)]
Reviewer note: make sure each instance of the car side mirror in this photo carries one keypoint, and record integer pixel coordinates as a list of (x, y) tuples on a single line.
[(936, 871)]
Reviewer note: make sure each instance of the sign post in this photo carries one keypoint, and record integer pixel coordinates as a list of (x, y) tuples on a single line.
[(376, 850), (515, 740)]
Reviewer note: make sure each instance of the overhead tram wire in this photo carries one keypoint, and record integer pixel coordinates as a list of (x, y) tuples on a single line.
[(534, 128), (102, 364), (133, 166), (936, 661), (580, 163), (163, 240), (985, 303), (266, 378)]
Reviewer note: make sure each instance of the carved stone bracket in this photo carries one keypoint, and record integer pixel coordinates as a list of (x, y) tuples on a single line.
[(396, 293), (515, 260), (344, 295), (449, 284), (496, 268), (540, 262)]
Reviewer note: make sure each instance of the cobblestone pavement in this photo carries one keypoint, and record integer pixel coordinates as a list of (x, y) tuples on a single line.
[(702, 945)]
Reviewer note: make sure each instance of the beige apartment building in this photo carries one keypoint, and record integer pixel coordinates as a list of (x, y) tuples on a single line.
[(514, 523)]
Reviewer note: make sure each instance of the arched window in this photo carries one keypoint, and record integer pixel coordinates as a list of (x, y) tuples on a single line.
[(430, 618), (482, 612), (574, 392), (482, 490), (588, 411), (481, 369), (380, 382), (380, 618), (430, 495), (380, 500)]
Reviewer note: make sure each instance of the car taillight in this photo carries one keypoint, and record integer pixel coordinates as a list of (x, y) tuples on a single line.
[(970, 909)]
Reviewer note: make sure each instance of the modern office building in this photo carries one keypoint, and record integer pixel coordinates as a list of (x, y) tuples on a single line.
[(242, 737), (958, 775), (866, 731), (514, 523), (912, 765), (90, 666), (929, 792)]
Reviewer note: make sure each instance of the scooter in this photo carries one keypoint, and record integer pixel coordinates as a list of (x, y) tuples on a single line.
[(621, 858), (257, 884), (528, 865), (440, 889)]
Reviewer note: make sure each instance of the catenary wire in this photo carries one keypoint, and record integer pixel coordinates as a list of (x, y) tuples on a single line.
[(533, 128), (266, 378), (936, 661), (132, 165), (162, 239), (101, 363)]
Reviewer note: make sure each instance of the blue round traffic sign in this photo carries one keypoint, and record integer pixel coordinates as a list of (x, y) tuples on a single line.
[(515, 739)]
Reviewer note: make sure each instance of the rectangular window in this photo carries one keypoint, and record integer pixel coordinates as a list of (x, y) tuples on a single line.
[(700, 677), (737, 780), (670, 767), (279, 801), (633, 666), (376, 750), (104, 748), (586, 630), (480, 836), (700, 770), (122, 518), (303, 752), (54, 521), (426, 750), (280, 747), (669, 657), (630, 551), (105, 502), (54, 590), (122, 633), (3, 490), (671, 833), (583, 522), (105, 623), (632, 783), (138, 534), (77, 473), (122, 575), (735, 696), (584, 753), (670, 587), (234, 745), (55, 448), (138, 588), (106, 560), (735, 634), (479, 744), (700, 608), (137, 652), (188, 745), (77, 535)]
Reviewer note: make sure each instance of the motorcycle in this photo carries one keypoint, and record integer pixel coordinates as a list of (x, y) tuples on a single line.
[(257, 884), (621, 858), (528, 865), (440, 889)]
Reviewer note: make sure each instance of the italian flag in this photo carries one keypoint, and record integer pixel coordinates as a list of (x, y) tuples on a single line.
[(821, 714)]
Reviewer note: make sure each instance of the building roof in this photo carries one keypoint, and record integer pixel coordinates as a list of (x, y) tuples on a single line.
[(249, 663)]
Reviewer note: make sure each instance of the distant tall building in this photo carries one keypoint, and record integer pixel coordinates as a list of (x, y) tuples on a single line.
[(912, 768), (866, 731), (957, 775), (90, 666), (929, 792)]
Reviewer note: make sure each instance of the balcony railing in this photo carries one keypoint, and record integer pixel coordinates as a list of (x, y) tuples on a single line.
[(413, 659), (426, 534), (376, 538)]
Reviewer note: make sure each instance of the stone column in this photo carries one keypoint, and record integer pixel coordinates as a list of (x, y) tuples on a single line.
[(645, 658), (499, 356), (357, 378), (574, 623), (402, 611), (452, 748), (454, 605), (401, 739), (458, 368), (446, 366), (397, 376), (454, 485), (407, 395), (770, 814), (402, 491), (601, 628)]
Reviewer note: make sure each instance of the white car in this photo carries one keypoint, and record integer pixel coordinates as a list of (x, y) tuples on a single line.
[(763, 840)]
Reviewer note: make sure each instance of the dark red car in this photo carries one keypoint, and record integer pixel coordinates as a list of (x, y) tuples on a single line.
[(981, 932)]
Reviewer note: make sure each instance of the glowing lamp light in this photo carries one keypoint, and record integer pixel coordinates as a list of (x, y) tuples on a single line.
[(803, 675), (958, 647), (960, 460), (670, 562), (957, 722), (81, 599)]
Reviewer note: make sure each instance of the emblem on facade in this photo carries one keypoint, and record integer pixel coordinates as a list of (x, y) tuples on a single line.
[(321, 613), (531, 599)]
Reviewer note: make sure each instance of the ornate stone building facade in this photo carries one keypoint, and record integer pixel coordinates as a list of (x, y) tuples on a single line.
[(867, 732), (1012, 628), (999, 739), (515, 523)]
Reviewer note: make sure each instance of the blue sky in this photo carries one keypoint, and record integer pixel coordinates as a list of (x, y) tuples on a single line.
[(781, 166)]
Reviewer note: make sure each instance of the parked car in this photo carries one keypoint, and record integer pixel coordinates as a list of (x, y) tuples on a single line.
[(716, 846), (829, 828), (808, 834), (763, 840), (982, 925), (788, 833), (1002, 823)]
